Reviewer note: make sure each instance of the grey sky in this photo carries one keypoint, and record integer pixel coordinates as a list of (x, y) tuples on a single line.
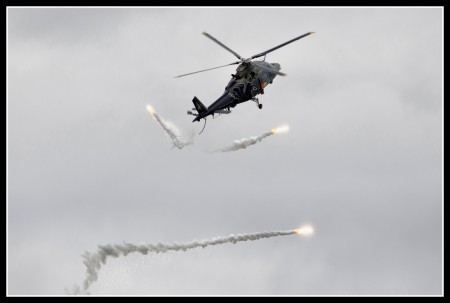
[(87, 165)]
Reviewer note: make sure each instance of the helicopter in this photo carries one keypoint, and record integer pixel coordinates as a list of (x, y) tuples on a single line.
[(250, 79)]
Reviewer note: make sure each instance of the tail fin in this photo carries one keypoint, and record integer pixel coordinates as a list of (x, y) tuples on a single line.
[(199, 105)]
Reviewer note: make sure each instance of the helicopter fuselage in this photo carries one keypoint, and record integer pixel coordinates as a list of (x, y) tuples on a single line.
[(249, 81)]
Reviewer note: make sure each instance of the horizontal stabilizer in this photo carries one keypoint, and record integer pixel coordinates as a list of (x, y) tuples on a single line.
[(222, 111)]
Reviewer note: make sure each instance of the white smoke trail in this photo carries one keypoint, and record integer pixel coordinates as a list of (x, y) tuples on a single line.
[(94, 261), (171, 129), (246, 142)]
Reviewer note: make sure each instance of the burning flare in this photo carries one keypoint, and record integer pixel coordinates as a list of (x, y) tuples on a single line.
[(171, 129), (151, 110), (94, 261), (280, 129), (246, 142), (305, 230)]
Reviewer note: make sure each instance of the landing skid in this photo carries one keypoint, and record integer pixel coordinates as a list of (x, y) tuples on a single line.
[(257, 102)]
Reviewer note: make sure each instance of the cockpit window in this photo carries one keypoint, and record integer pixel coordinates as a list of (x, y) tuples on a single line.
[(264, 80)]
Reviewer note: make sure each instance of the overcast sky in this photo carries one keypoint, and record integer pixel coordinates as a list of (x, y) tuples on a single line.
[(87, 165)]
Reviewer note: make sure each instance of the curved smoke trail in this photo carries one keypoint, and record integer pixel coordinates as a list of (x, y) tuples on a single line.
[(246, 142), (171, 130), (94, 261)]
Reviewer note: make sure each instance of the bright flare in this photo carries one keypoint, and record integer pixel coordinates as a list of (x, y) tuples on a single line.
[(280, 129), (305, 230), (151, 110)]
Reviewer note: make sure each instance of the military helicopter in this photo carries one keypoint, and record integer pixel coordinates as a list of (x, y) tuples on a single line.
[(250, 79)]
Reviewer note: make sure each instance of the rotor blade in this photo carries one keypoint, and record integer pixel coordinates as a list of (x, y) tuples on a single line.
[(221, 44), (270, 70), (281, 45), (204, 70)]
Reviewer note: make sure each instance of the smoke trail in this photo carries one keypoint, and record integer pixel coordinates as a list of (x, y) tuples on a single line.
[(94, 261), (171, 130), (246, 142)]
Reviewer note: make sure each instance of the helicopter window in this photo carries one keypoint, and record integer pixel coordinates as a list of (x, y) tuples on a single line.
[(264, 78)]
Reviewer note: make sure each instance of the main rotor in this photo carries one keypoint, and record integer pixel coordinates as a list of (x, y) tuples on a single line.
[(247, 60)]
